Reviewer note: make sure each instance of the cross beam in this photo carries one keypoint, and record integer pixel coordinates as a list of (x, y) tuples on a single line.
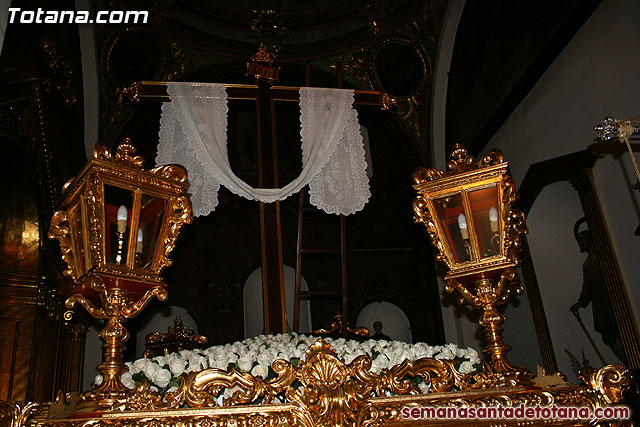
[(158, 91), (275, 319)]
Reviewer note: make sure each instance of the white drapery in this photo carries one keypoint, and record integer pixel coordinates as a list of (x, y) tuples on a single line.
[(193, 133)]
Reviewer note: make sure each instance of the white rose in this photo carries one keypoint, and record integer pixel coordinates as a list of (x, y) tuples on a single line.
[(466, 367), (220, 364), (260, 371), (132, 368), (445, 354), (245, 364), (472, 355), (196, 363), (127, 380), (160, 360), (150, 370), (98, 380), (162, 378), (141, 363), (177, 366), (453, 348)]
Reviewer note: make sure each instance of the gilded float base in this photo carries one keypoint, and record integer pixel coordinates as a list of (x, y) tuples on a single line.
[(380, 411), (323, 390)]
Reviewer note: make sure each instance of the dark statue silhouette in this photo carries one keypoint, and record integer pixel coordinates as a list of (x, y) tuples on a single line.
[(594, 292)]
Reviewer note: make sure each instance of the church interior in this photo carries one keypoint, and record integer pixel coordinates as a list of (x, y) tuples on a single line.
[(530, 79)]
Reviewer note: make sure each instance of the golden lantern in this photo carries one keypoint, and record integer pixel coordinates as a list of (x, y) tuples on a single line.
[(468, 213), (116, 227)]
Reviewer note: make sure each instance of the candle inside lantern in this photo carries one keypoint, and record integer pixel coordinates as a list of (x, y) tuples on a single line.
[(493, 219), (139, 241), (122, 218), (462, 225)]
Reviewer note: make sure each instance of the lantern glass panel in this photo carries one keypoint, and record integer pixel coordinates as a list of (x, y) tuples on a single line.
[(486, 220), (152, 211), (449, 210), (78, 242), (118, 214)]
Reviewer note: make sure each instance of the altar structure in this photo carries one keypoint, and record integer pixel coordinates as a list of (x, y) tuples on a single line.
[(468, 213)]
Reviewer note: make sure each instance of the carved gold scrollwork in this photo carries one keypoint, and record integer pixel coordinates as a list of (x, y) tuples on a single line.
[(514, 220), (421, 215), (330, 392), (175, 172), (102, 152), (116, 308), (94, 199), (132, 92), (610, 381), (59, 229), (487, 296), (18, 413), (461, 161), (125, 155), (422, 175), (60, 72), (180, 213)]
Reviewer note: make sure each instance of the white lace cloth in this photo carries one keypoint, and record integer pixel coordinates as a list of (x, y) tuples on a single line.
[(193, 133)]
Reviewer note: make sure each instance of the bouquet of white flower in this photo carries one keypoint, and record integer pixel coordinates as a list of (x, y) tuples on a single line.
[(256, 355)]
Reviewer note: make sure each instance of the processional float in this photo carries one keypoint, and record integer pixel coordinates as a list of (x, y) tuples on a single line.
[(118, 224)]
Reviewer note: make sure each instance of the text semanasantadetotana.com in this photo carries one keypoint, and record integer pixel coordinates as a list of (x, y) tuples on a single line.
[(517, 412), (40, 16)]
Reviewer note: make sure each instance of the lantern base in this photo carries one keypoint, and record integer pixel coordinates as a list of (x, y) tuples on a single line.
[(487, 294), (116, 309)]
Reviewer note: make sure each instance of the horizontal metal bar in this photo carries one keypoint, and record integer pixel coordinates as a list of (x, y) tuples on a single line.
[(157, 91)]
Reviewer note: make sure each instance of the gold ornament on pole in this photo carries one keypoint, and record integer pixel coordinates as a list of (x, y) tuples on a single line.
[(468, 213), (116, 228)]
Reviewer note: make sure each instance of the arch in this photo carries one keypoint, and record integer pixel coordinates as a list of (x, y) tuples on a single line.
[(395, 323), (254, 311), (441, 81)]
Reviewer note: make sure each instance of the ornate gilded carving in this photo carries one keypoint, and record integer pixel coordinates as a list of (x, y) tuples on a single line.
[(324, 391), (59, 229), (177, 338), (84, 225), (85, 194), (18, 413), (610, 381), (461, 162), (115, 308), (268, 29), (487, 296), (475, 277), (60, 72), (330, 390), (131, 92), (337, 326), (175, 172), (93, 199), (463, 174), (125, 155), (180, 213), (421, 215), (49, 301)]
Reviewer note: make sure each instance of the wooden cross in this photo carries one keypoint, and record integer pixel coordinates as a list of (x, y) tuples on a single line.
[(265, 94)]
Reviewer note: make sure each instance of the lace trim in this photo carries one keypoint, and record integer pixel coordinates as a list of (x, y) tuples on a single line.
[(193, 133)]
